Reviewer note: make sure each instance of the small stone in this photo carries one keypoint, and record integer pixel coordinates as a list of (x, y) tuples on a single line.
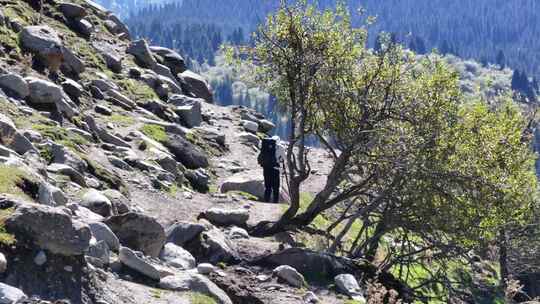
[(290, 275), (41, 258), (206, 268), (3, 263)]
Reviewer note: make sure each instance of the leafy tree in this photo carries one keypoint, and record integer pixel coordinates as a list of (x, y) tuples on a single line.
[(407, 152)]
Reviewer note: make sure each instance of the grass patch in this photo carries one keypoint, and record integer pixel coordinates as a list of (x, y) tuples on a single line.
[(6, 238), (137, 90), (197, 298), (122, 120), (173, 190), (110, 178), (155, 132), (354, 302), (61, 136), (12, 180), (156, 293)]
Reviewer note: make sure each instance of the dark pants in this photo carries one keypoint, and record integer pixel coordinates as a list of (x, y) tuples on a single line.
[(271, 184)]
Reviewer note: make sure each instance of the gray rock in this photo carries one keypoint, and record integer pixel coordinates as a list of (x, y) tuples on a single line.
[(102, 232), (139, 232), (120, 202), (177, 256), (33, 136), (251, 184), (39, 39), (117, 162), (170, 58), (84, 27), (206, 268), (102, 109), (266, 126), (66, 170), (250, 126), (129, 258), (12, 138), (141, 51), (41, 258), (122, 98), (84, 214), (226, 217), (113, 61), (10, 294), (42, 91), (238, 233), (72, 11), (72, 88), (50, 229), (347, 284), (104, 85), (187, 153), (190, 114), (310, 298), (103, 134), (97, 202), (15, 84), (213, 246), (198, 179), (198, 85), (62, 155), (51, 195), (290, 275), (196, 283), (99, 250), (72, 63), (182, 232), (3, 263), (249, 138), (120, 27)]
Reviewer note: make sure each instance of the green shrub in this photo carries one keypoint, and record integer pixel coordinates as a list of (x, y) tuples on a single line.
[(155, 132)]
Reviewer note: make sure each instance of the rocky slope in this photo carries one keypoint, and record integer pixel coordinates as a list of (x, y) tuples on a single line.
[(122, 182)]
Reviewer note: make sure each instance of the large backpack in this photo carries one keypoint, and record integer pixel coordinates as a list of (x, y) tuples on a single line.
[(267, 157)]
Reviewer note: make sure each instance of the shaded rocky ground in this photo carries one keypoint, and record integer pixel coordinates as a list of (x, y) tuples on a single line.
[(121, 181)]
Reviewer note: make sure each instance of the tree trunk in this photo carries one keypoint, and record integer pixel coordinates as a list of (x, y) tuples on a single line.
[(503, 257), (373, 246)]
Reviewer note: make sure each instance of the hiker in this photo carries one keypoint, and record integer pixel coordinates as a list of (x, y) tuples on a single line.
[(271, 157)]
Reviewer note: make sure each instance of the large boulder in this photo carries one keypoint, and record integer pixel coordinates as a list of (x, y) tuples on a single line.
[(290, 275), (97, 202), (187, 281), (12, 138), (14, 84), (10, 294), (198, 85), (213, 246), (66, 170), (72, 10), (189, 109), (186, 153), (182, 232), (43, 91), (226, 217), (102, 232), (137, 262), (170, 58), (49, 228), (139, 232), (39, 39), (347, 284), (141, 51), (177, 256), (252, 183)]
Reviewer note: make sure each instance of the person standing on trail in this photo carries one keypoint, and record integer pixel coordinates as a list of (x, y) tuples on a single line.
[(270, 158)]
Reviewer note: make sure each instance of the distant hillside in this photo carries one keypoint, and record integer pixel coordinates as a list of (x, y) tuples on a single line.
[(495, 31)]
